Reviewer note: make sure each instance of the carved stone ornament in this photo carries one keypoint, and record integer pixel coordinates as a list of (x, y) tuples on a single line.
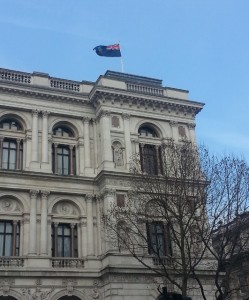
[(9, 205), (5, 284), (104, 113), (126, 116), (191, 126), (69, 284), (33, 193), (65, 208), (35, 113), (37, 293)]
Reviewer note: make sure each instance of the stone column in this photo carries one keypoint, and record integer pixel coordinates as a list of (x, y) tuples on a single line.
[(87, 142), (127, 136), (158, 160), (27, 149), (56, 239), (174, 130), (96, 146), (44, 223), (109, 199), (83, 225), (80, 157), (55, 158), (99, 228), (45, 137), (25, 234), (35, 136), (106, 140), (18, 141), (191, 128), (1, 151), (71, 172), (89, 208), (14, 238), (72, 239), (32, 224)]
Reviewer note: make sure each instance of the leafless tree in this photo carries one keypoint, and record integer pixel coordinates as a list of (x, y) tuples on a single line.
[(173, 208)]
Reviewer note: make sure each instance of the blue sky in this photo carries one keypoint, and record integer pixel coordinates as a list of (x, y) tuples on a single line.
[(198, 45)]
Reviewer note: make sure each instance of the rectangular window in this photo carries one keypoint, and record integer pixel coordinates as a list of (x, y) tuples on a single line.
[(9, 238), (159, 242), (64, 240), (120, 200)]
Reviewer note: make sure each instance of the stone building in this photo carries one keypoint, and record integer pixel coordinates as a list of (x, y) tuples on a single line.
[(62, 144)]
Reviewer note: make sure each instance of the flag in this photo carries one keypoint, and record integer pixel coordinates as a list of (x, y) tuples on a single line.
[(108, 51)]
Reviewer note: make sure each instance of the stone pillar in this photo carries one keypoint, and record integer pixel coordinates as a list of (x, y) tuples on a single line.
[(80, 157), (127, 136), (72, 239), (44, 223), (71, 172), (55, 158), (109, 199), (34, 155), (106, 140), (56, 239), (32, 224), (158, 160), (89, 208), (25, 234), (99, 228), (27, 149), (14, 238), (174, 130), (87, 142), (44, 137), (96, 146), (83, 225), (1, 151), (191, 128)]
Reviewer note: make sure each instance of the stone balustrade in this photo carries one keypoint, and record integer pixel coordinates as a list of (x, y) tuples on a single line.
[(67, 262), (11, 261), (144, 89)]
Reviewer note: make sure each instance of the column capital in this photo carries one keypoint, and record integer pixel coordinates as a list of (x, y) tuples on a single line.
[(45, 113), (105, 113), (86, 119), (191, 125), (45, 193), (173, 123), (35, 113), (89, 197), (109, 192), (33, 193), (126, 116)]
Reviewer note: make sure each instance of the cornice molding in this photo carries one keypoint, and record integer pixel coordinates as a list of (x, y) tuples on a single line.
[(44, 94), (151, 102)]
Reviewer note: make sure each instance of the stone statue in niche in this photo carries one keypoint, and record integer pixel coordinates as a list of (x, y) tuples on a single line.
[(118, 154)]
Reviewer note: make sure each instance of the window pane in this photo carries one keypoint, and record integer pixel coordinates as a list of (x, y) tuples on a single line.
[(60, 169), (9, 227), (66, 231), (1, 227), (5, 159), (67, 246), (1, 244), (8, 242), (12, 159), (60, 254), (60, 230), (65, 165)]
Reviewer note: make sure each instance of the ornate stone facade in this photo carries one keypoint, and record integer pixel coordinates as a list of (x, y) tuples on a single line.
[(65, 149)]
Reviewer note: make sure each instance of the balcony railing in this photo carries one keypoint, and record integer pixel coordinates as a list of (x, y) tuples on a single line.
[(67, 262), (11, 261), (65, 85)]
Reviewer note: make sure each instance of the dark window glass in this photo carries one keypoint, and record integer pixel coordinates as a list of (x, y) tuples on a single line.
[(148, 156), (64, 241), (147, 131), (63, 160), (9, 155), (120, 200), (7, 238), (10, 124), (63, 131), (156, 238)]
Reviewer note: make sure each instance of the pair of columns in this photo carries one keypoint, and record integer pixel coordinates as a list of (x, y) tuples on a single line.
[(44, 223)]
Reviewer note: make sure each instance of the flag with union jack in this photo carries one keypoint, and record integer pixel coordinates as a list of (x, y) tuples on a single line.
[(108, 51)]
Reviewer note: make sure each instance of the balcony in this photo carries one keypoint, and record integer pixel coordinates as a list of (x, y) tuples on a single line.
[(11, 261), (67, 262)]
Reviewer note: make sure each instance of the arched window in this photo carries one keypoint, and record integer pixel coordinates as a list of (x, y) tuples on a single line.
[(11, 145), (147, 131), (63, 151), (150, 150)]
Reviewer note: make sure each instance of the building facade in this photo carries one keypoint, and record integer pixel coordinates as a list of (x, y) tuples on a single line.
[(65, 148)]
